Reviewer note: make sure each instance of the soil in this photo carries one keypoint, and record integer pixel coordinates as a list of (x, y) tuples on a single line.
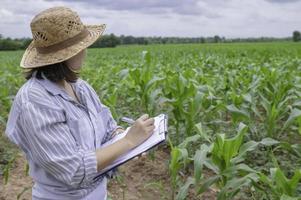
[(142, 178)]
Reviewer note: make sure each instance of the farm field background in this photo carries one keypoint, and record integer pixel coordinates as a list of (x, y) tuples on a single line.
[(234, 115)]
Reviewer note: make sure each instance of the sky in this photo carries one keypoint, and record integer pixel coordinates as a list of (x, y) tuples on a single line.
[(166, 18)]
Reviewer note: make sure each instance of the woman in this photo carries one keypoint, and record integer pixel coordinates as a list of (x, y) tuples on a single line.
[(57, 119)]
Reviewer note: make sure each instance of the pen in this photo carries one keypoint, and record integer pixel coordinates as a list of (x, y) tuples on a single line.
[(128, 120)]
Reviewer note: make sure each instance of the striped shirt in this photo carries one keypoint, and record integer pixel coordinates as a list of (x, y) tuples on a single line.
[(59, 137)]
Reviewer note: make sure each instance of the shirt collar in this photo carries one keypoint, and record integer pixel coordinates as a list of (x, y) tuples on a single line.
[(54, 89)]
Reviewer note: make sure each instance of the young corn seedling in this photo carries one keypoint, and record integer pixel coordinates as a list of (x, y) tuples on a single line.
[(277, 186), (225, 158), (178, 163), (142, 84)]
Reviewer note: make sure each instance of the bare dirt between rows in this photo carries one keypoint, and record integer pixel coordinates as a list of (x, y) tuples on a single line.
[(143, 178)]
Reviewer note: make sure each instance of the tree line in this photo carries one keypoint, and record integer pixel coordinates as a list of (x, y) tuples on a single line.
[(111, 40)]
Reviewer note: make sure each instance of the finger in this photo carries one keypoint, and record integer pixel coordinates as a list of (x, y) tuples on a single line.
[(143, 117), (136, 158), (150, 128), (149, 121)]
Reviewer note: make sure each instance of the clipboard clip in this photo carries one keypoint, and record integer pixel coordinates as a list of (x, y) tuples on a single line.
[(163, 123)]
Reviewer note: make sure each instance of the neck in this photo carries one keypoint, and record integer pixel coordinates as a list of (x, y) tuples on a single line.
[(62, 83)]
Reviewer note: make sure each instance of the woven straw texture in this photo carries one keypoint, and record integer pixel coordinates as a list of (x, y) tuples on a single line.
[(52, 27)]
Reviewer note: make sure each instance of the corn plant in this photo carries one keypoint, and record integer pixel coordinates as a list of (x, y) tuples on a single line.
[(277, 186), (218, 157), (179, 162), (185, 103), (142, 82), (225, 158), (226, 161)]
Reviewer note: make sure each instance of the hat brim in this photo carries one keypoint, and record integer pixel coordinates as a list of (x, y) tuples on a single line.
[(32, 58)]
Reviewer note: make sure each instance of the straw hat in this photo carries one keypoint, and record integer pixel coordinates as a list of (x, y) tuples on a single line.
[(58, 34)]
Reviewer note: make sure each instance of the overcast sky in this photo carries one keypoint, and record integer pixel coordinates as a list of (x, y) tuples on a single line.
[(184, 18)]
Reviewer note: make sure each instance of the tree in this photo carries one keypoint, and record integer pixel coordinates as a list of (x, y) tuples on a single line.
[(202, 40), (296, 36), (9, 44), (26, 43), (106, 41), (128, 40), (216, 39)]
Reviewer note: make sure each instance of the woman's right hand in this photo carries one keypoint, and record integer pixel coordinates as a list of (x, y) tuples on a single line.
[(142, 129)]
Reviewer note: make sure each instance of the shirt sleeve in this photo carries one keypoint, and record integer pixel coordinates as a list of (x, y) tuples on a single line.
[(53, 147), (10, 129)]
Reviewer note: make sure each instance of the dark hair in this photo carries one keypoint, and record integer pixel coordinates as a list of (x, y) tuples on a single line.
[(54, 72)]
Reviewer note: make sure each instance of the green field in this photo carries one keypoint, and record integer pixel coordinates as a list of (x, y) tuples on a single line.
[(234, 110)]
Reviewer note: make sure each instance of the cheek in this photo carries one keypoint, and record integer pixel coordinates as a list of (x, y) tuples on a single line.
[(74, 63)]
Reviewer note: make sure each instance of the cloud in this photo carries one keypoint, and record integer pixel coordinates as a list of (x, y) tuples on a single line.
[(283, 1), (187, 7), (189, 18)]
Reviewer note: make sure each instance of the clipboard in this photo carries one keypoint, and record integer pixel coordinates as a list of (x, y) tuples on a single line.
[(158, 137)]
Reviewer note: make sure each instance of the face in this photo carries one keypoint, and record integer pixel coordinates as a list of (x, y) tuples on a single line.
[(75, 62)]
